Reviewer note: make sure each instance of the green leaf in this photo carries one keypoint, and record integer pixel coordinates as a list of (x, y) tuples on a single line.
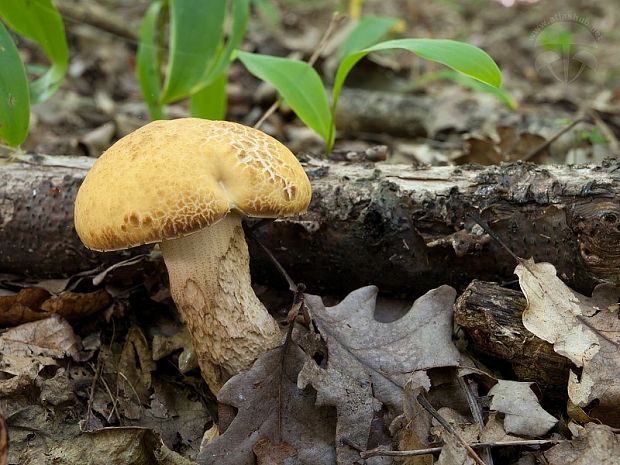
[(299, 85), (14, 98), (148, 60), (39, 21), (240, 14), (210, 101), (499, 93), (366, 33), (196, 32), (462, 57)]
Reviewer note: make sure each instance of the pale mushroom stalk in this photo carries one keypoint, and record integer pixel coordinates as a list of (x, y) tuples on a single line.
[(211, 286)]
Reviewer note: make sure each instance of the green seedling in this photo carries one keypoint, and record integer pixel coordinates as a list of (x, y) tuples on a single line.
[(301, 87), (40, 22), (198, 54)]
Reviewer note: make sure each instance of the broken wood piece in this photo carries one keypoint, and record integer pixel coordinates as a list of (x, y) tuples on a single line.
[(491, 316)]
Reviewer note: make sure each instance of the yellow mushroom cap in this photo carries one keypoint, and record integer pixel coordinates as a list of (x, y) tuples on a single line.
[(171, 178)]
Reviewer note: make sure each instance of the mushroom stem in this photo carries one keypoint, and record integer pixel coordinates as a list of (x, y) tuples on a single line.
[(211, 286)]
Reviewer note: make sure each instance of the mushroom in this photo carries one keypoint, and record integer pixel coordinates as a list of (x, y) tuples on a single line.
[(187, 183)]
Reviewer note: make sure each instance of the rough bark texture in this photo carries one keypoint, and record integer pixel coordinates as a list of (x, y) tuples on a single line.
[(491, 316), (402, 228)]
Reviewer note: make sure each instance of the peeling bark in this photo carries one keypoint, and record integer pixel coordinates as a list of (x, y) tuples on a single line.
[(402, 228)]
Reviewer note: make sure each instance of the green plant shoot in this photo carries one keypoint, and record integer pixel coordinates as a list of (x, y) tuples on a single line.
[(14, 98), (198, 56), (39, 21), (302, 89)]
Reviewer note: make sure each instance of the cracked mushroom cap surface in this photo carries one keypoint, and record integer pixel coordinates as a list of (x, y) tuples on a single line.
[(174, 177)]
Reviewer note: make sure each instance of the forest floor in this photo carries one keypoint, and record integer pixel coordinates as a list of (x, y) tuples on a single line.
[(109, 373)]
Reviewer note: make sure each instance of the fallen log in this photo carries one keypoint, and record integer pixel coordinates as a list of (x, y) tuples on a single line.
[(402, 228)]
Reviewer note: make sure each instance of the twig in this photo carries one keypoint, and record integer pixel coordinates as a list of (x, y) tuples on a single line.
[(433, 450), (91, 394), (476, 411), (480, 222), (112, 398), (122, 375), (335, 21), (291, 284), (442, 421), (298, 304), (605, 129), (296, 308), (536, 150), (97, 17)]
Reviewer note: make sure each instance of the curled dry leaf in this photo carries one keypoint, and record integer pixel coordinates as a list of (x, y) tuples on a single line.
[(524, 415), (369, 361), (76, 305), (23, 306), (34, 303), (586, 330), (596, 444)]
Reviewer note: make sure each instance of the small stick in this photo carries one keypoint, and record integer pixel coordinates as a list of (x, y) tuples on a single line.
[(476, 411), (296, 308), (479, 221), (291, 284), (442, 421), (536, 150), (91, 394), (336, 19), (97, 17), (433, 450)]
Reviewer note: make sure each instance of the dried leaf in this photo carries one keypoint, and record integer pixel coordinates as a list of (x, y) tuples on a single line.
[(584, 329), (453, 453), (166, 345), (177, 417), (524, 415), (19, 373), (35, 303), (597, 444), (256, 394), (417, 434), (108, 446), (494, 431), (52, 337), (369, 360), (22, 307), (360, 346), (75, 305), (134, 373), (354, 404)]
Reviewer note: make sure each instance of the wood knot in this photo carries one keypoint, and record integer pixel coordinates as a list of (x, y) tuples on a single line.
[(597, 226)]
